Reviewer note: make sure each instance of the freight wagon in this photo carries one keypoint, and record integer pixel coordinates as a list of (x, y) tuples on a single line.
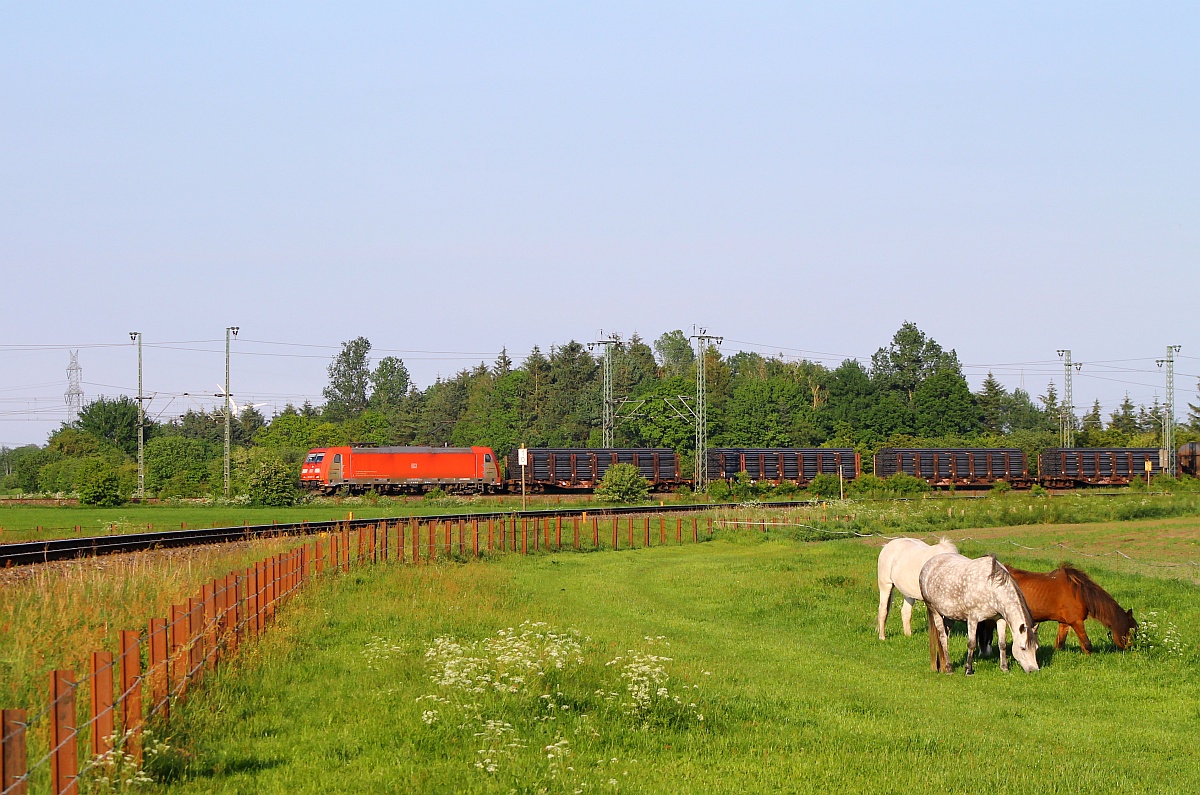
[(1065, 468), (569, 469), (797, 465), (1189, 459), (956, 466), (400, 470)]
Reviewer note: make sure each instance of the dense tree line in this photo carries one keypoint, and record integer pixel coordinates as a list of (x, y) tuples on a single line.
[(912, 393)]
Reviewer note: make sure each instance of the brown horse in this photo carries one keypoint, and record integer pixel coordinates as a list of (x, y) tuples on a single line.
[(1069, 596)]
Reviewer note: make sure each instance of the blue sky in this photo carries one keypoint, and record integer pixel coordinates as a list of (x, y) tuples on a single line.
[(449, 178)]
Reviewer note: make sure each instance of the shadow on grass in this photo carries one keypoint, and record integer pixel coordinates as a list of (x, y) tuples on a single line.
[(224, 767)]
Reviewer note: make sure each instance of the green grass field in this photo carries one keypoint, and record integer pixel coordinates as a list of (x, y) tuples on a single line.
[(773, 641)]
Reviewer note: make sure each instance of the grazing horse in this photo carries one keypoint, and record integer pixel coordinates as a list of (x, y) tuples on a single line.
[(958, 588), (1069, 596), (900, 563)]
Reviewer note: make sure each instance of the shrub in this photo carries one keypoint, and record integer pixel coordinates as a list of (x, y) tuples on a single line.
[(825, 486), (719, 491), (623, 483), (436, 494), (743, 487), (1001, 487), (786, 489), (1037, 490), (98, 483), (868, 486), (903, 484), (273, 483)]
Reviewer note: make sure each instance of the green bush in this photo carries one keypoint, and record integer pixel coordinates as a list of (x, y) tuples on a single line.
[(785, 490), (623, 483), (98, 483), (825, 486), (719, 491), (1001, 487), (868, 486), (1037, 490), (902, 484), (273, 483), (743, 487)]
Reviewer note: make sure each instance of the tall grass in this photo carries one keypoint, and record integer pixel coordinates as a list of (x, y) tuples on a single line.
[(55, 616)]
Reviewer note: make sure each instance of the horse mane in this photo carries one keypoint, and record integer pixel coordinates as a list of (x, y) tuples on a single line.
[(1100, 604), (1003, 577), (999, 574)]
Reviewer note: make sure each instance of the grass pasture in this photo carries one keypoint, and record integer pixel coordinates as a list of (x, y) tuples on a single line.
[(771, 638)]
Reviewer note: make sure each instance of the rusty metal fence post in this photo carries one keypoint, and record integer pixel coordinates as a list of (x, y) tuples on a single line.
[(159, 655), (12, 752), (131, 692), (177, 636), (102, 702), (64, 755)]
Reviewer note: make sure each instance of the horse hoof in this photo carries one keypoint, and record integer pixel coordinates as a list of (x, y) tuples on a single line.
[(970, 672)]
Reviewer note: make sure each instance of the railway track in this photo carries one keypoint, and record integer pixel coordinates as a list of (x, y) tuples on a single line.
[(25, 553)]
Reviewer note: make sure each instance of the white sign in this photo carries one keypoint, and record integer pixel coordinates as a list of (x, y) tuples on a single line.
[(523, 456)]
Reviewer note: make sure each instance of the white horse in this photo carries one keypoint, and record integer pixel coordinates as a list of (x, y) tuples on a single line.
[(900, 563), (954, 586)]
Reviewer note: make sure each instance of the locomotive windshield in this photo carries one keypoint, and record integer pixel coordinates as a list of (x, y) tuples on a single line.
[(314, 458)]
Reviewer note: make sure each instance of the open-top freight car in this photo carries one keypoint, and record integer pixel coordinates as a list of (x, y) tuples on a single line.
[(961, 467), (400, 470), (1068, 467), (797, 465), (572, 469), (1189, 459)]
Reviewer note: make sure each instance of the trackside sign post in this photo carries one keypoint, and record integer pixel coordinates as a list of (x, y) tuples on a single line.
[(523, 460)]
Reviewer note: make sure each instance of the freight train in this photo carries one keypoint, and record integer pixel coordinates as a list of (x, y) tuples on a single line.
[(475, 470), (798, 465), (958, 467), (1097, 466), (575, 469)]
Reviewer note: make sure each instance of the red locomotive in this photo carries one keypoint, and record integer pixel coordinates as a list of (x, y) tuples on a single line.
[(400, 470)]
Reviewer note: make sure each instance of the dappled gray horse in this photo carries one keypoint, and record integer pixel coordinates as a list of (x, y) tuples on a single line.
[(956, 587)]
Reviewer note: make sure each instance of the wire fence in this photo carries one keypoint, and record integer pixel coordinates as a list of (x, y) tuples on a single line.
[(102, 716)]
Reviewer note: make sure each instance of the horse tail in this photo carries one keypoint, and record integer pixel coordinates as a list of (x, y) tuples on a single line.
[(937, 660), (1099, 603)]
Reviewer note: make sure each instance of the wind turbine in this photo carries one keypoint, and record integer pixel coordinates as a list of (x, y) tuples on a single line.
[(236, 408)]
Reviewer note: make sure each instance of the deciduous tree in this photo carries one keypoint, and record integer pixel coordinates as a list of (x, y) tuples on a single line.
[(346, 395)]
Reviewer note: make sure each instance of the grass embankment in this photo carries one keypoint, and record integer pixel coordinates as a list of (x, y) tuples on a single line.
[(796, 692), (33, 522)]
